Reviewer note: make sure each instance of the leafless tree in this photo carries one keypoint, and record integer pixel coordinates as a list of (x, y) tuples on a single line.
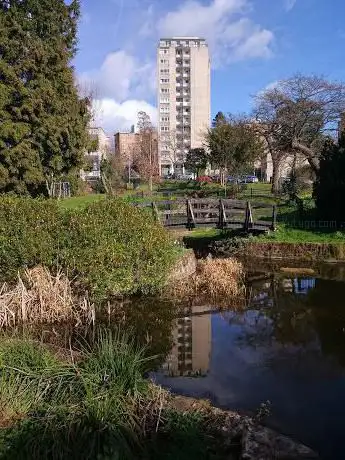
[(298, 114), (271, 147), (146, 150), (171, 145)]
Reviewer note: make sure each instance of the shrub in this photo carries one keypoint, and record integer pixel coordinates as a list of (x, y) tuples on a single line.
[(110, 247), (28, 232), (116, 249), (329, 188), (204, 179)]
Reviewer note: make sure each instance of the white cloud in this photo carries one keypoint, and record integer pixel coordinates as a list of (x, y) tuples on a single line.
[(114, 116), (121, 76), (289, 4), (231, 35), (119, 89)]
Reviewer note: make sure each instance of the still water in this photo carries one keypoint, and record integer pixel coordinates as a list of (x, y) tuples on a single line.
[(287, 347)]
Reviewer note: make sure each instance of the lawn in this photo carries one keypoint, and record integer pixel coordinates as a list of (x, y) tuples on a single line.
[(283, 234), (76, 202), (286, 234)]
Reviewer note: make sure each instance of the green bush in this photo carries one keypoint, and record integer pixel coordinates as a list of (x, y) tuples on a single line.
[(108, 247), (28, 234), (329, 187), (116, 248)]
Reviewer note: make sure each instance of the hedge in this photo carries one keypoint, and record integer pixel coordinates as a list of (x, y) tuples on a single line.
[(109, 247)]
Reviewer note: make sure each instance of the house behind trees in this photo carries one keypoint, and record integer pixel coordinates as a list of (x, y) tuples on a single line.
[(128, 149), (100, 148)]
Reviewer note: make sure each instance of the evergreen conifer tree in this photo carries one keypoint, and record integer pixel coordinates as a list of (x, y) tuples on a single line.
[(43, 121)]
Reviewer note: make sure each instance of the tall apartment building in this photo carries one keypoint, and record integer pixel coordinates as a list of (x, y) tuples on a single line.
[(184, 102)]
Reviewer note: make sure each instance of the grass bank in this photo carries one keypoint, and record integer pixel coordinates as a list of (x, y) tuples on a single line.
[(96, 404), (285, 242)]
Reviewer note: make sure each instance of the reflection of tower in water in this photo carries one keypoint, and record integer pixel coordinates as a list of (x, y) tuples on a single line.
[(190, 354)]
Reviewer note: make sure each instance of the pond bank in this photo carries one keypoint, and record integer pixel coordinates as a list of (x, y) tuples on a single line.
[(249, 438), (270, 250)]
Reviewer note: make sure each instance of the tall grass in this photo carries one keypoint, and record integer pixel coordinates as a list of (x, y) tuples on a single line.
[(87, 409), (96, 407), (40, 297), (214, 279)]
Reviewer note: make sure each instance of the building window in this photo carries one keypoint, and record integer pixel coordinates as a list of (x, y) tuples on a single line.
[(164, 90)]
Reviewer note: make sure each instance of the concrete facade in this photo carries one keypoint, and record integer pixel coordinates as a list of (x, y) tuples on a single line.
[(184, 101), (95, 157)]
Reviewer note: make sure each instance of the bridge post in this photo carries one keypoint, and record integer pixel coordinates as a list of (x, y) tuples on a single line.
[(248, 220), (222, 215), (190, 215), (155, 211), (274, 218)]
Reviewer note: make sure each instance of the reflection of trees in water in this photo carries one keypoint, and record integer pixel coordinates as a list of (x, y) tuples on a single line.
[(327, 301), (150, 321), (277, 314), (307, 316)]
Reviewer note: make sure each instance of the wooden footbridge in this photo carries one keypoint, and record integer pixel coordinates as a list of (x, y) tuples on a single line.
[(218, 213)]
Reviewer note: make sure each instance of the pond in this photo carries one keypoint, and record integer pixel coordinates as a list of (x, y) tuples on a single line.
[(283, 343), (287, 347)]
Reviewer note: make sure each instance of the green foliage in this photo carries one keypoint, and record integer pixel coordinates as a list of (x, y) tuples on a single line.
[(96, 407), (219, 119), (233, 145), (29, 231), (196, 160), (110, 247), (116, 248), (43, 130), (116, 356), (329, 188), (111, 176)]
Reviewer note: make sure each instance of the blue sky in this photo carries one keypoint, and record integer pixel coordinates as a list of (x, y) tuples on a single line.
[(253, 43)]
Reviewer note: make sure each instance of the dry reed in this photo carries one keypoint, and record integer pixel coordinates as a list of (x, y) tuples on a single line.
[(40, 297), (214, 279)]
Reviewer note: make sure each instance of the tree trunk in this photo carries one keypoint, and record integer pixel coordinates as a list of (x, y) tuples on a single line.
[(150, 183), (275, 176), (49, 187), (308, 153)]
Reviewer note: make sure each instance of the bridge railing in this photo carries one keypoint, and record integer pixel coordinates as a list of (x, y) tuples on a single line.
[(220, 213)]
